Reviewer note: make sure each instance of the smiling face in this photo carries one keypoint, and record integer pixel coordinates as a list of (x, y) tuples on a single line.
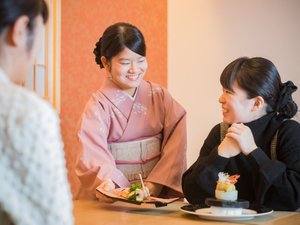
[(127, 69), (237, 107)]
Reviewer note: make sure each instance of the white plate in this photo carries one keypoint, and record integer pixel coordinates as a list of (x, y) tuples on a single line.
[(205, 213)]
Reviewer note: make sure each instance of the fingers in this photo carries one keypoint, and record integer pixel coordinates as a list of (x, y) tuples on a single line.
[(228, 148), (103, 198), (107, 185), (242, 134), (154, 189), (237, 128)]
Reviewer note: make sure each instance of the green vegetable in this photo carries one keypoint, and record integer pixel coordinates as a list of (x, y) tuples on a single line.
[(134, 187), (132, 196)]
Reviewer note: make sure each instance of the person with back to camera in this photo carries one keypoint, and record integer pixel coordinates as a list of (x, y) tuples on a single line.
[(257, 106), (130, 126), (34, 188)]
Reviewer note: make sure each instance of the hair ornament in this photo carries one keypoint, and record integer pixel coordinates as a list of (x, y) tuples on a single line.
[(285, 94)]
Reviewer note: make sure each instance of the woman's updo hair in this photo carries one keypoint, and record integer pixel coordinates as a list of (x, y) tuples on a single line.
[(115, 38), (259, 77), (11, 10)]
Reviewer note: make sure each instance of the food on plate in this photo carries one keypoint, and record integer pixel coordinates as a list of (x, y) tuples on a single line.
[(225, 189), (225, 201), (135, 193)]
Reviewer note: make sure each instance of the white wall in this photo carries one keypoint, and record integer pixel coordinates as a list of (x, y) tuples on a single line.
[(206, 35)]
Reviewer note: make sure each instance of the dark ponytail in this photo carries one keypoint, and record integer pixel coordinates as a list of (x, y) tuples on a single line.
[(115, 38)]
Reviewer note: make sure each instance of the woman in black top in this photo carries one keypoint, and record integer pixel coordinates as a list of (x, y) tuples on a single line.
[(255, 105)]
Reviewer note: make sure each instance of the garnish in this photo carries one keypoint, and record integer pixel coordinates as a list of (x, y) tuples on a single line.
[(226, 182), (136, 193), (134, 187), (233, 179)]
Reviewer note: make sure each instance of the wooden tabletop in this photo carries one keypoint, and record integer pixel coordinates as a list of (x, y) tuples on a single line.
[(98, 213)]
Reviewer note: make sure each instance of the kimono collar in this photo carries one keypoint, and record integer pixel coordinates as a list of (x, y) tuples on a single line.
[(119, 98), (3, 77)]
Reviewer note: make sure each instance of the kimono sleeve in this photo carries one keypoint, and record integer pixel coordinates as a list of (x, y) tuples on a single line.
[(173, 153), (96, 163)]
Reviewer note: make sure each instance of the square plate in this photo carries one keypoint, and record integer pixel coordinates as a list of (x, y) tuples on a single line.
[(115, 195)]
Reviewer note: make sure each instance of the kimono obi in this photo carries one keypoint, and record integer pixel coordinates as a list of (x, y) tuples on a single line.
[(136, 157)]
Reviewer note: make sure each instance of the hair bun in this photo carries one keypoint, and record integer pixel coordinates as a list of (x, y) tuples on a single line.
[(97, 53), (285, 104)]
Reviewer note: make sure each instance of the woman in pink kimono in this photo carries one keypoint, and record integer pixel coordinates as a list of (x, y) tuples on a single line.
[(130, 126)]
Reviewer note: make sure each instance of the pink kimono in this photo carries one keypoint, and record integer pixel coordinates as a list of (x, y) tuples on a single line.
[(112, 116)]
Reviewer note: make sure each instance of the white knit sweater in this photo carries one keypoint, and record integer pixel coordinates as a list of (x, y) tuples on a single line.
[(34, 188)]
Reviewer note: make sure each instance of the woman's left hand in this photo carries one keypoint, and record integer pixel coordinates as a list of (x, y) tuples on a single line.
[(106, 185), (154, 188), (243, 136)]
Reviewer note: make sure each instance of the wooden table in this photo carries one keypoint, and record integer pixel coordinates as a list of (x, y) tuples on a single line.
[(119, 213)]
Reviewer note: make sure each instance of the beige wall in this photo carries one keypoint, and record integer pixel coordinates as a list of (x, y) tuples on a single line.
[(205, 35)]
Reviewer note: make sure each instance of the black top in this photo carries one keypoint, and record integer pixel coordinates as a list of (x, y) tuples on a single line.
[(227, 204), (273, 183)]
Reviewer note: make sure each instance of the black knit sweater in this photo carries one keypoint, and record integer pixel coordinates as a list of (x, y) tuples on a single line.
[(273, 183)]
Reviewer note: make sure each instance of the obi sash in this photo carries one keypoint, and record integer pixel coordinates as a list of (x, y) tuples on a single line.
[(136, 157)]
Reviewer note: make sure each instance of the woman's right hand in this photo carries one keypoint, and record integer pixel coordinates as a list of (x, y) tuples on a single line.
[(154, 189), (106, 185), (228, 148), (243, 136)]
